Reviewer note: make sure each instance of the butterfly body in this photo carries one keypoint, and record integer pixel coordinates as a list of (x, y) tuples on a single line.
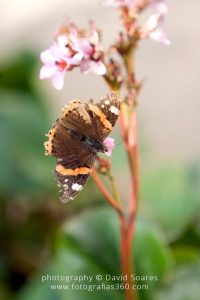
[(94, 145), (90, 143), (77, 137)]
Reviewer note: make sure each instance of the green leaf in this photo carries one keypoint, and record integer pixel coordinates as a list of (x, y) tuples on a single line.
[(24, 168), (89, 245), (152, 257), (168, 199), (97, 234), (16, 75)]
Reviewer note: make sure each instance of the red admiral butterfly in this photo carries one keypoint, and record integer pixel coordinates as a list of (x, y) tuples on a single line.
[(77, 137)]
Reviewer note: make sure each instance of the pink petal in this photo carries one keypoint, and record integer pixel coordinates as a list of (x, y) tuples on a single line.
[(86, 67), (58, 80), (152, 23), (47, 57), (62, 40), (95, 37), (159, 36), (56, 51), (93, 66), (76, 59), (98, 68), (82, 45), (162, 8), (47, 72)]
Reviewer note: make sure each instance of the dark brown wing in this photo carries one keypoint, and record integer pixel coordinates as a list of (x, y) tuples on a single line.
[(104, 114), (75, 162), (68, 131), (71, 181)]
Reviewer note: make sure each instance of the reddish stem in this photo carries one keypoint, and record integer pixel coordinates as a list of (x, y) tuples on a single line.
[(129, 134), (126, 260), (134, 157), (126, 238), (111, 201)]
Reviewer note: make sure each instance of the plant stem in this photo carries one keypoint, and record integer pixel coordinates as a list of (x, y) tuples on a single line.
[(127, 229), (114, 187), (129, 63), (126, 239), (126, 260), (134, 156), (128, 126), (111, 201)]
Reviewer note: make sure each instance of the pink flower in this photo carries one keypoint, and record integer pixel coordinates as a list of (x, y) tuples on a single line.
[(57, 60), (72, 48), (88, 44), (152, 28), (110, 145)]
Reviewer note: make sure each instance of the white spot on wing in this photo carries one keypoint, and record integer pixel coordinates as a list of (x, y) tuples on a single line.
[(102, 106), (66, 180), (114, 110), (77, 187), (107, 102)]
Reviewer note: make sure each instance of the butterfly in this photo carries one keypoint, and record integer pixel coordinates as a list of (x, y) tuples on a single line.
[(76, 138)]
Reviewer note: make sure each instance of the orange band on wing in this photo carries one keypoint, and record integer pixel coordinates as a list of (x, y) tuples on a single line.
[(48, 144), (101, 115), (72, 172), (73, 105)]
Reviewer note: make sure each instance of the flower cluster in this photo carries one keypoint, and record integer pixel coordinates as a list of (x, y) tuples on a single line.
[(152, 28), (72, 48)]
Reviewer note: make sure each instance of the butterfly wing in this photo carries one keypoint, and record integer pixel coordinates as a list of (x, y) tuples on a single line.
[(74, 162), (104, 114), (71, 181)]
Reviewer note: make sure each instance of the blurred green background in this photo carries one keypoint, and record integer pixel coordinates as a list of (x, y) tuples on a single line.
[(39, 235)]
